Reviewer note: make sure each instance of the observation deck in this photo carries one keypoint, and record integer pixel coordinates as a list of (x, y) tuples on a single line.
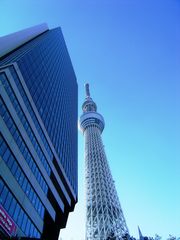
[(90, 117)]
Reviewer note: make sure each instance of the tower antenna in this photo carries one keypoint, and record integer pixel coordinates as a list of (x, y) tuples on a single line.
[(87, 90)]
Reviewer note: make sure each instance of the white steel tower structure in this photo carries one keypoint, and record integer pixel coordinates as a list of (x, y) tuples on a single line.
[(104, 216)]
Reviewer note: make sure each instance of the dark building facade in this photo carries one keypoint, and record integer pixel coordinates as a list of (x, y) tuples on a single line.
[(38, 138)]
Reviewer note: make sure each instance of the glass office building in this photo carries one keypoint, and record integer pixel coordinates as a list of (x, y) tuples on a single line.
[(38, 138)]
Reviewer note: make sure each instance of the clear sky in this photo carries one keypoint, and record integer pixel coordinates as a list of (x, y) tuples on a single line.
[(129, 52)]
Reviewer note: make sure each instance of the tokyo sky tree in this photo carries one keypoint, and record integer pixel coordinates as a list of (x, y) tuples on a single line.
[(104, 216)]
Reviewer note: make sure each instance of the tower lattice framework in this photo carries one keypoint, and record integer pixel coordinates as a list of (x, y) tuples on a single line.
[(104, 215)]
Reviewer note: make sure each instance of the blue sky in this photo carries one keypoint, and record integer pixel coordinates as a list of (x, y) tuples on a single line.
[(129, 52)]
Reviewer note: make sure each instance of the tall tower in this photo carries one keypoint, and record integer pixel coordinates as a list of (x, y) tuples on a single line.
[(104, 216)]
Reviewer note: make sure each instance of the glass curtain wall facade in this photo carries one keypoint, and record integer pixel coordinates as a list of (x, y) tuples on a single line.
[(38, 138)]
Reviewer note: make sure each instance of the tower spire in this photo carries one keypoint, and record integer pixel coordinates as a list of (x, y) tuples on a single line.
[(140, 234), (87, 90), (89, 105)]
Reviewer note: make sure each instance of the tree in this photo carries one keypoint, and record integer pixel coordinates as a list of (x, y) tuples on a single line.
[(157, 237), (171, 237)]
